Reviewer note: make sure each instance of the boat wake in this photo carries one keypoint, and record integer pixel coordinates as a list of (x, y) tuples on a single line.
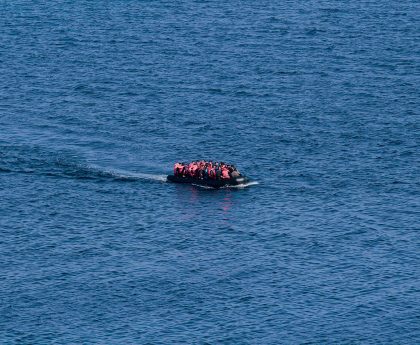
[(96, 172), (37, 161), (130, 176)]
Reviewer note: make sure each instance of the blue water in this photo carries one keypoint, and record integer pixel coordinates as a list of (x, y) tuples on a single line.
[(317, 101)]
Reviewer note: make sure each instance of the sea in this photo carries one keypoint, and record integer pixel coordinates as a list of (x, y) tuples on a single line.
[(316, 101)]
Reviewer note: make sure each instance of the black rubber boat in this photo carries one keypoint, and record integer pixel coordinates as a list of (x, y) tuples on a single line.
[(214, 183)]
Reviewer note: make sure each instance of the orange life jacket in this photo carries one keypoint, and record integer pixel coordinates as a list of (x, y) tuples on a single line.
[(177, 168), (194, 169), (225, 173)]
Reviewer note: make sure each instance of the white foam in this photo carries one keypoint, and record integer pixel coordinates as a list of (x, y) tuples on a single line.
[(241, 186)]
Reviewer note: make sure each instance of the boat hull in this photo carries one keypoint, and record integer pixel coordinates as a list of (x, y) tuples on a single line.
[(209, 182)]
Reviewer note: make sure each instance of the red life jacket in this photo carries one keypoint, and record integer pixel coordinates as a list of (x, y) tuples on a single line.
[(194, 170), (225, 173), (177, 169)]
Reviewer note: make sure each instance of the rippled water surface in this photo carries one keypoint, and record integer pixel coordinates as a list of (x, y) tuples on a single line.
[(317, 101)]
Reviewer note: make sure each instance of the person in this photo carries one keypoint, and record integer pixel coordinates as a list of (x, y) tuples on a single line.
[(225, 172), (177, 168), (191, 168), (184, 169), (218, 172), (194, 170), (212, 172), (206, 171), (201, 170)]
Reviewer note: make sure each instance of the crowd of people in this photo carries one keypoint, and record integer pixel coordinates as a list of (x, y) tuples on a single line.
[(206, 170)]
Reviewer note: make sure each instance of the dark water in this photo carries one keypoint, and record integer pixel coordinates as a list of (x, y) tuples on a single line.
[(318, 101)]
